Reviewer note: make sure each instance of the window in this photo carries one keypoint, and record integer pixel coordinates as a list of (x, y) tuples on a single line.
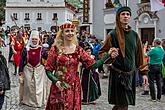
[(39, 28), (39, 16), (27, 16), (15, 16), (109, 4), (41, 0), (28, 0), (54, 16), (145, 1)]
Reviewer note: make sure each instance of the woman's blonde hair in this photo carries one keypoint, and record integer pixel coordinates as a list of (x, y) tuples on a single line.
[(59, 40)]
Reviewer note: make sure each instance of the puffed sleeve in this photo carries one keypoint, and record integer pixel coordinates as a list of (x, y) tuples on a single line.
[(85, 59), (105, 48), (50, 64), (44, 53), (23, 60), (51, 60), (90, 62)]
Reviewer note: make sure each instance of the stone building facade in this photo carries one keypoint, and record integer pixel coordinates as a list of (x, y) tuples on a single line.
[(38, 14), (149, 25)]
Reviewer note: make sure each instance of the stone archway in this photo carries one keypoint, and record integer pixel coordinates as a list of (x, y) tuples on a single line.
[(146, 24)]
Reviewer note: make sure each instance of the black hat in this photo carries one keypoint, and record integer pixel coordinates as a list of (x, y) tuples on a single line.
[(87, 47), (124, 8)]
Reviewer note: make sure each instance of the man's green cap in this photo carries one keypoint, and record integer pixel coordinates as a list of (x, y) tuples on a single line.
[(124, 8)]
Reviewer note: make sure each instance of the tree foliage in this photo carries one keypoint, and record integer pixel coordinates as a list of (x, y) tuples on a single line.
[(76, 3), (2, 10)]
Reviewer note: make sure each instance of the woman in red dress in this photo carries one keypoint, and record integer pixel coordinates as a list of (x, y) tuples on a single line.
[(17, 46), (62, 69)]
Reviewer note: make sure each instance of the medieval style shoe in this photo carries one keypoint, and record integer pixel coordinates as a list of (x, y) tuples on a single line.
[(145, 93), (152, 100), (85, 103), (93, 102)]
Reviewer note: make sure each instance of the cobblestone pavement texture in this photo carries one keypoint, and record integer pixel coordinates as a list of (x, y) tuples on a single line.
[(142, 102)]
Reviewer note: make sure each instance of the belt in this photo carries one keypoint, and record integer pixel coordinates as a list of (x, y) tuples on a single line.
[(29, 65), (121, 71), (154, 64)]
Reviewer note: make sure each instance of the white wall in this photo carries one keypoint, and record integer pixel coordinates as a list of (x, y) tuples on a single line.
[(34, 1), (32, 8)]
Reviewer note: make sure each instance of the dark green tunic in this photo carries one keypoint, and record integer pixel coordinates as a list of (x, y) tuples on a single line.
[(117, 94)]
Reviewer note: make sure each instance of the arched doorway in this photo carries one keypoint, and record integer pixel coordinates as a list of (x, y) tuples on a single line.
[(147, 34), (146, 26)]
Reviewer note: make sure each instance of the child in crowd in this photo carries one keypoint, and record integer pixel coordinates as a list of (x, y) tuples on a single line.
[(90, 82)]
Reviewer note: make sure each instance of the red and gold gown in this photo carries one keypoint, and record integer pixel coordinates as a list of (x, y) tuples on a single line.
[(68, 99)]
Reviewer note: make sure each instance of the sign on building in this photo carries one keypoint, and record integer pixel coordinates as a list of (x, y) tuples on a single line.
[(86, 11)]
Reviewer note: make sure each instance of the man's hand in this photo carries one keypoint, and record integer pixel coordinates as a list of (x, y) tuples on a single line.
[(113, 52), (58, 84)]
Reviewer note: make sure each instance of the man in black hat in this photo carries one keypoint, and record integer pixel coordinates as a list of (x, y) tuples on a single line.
[(130, 56)]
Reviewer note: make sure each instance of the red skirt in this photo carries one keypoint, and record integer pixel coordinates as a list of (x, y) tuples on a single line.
[(69, 99), (17, 58)]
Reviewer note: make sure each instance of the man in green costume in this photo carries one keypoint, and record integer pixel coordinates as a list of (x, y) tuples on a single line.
[(130, 57)]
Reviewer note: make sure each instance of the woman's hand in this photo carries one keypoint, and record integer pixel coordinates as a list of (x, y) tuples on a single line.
[(21, 77), (113, 52), (15, 52), (58, 84), (145, 80), (21, 74)]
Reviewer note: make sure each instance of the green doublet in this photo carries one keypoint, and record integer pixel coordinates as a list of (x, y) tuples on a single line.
[(117, 94)]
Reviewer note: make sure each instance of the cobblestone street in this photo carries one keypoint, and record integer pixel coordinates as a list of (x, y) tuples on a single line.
[(142, 103)]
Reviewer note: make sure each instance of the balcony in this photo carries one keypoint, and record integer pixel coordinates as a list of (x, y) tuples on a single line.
[(39, 19), (26, 19)]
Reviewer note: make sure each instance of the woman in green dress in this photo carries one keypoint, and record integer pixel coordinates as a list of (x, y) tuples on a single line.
[(90, 83)]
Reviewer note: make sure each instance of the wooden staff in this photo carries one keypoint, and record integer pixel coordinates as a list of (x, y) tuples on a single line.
[(13, 19)]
